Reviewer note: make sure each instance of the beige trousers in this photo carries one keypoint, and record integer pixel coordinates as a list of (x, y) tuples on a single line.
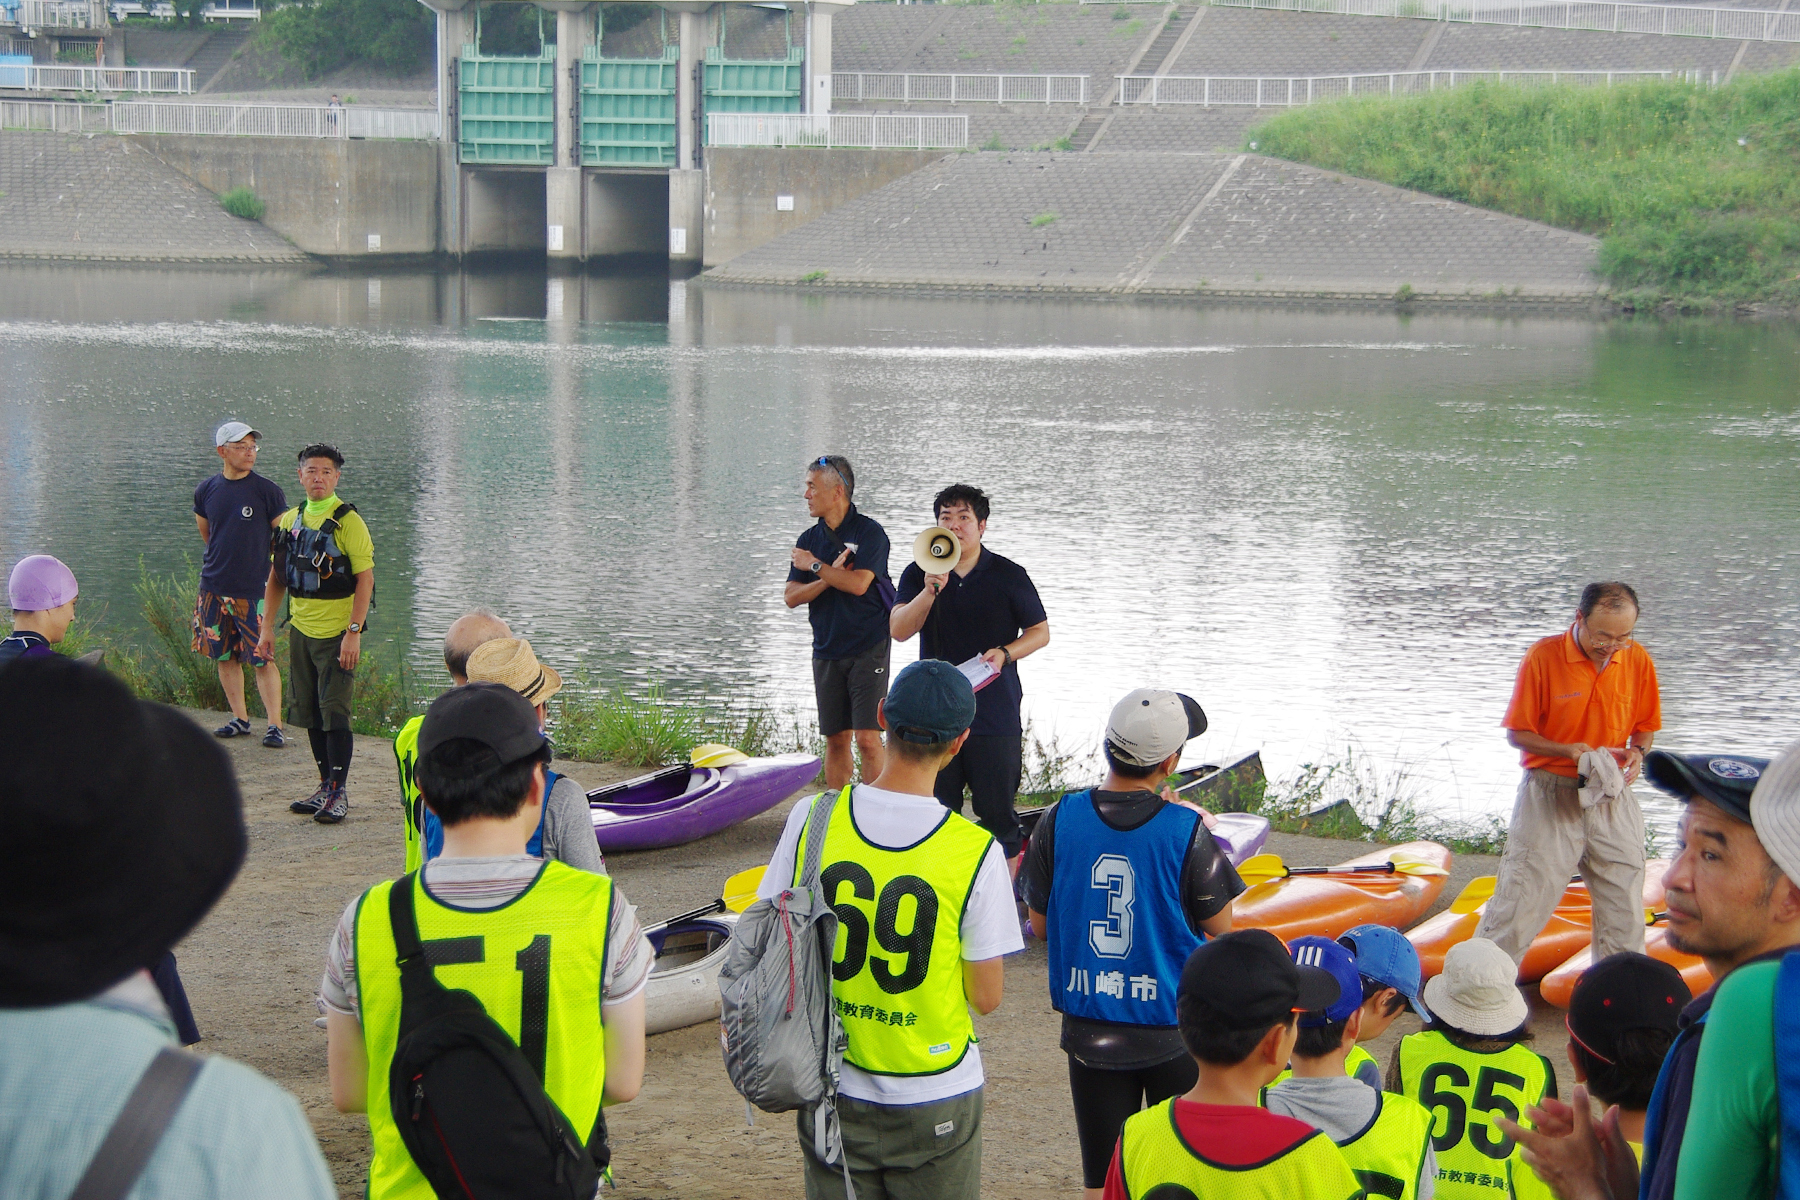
[(1551, 836)]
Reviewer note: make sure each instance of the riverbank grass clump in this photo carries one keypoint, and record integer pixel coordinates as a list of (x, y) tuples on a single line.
[(1694, 191), (242, 202), (1347, 796)]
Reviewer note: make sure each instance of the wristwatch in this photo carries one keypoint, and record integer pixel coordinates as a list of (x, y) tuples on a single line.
[(816, 566), (354, 628)]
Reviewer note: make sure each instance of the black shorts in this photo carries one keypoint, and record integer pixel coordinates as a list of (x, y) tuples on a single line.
[(849, 689), (319, 690), (988, 765)]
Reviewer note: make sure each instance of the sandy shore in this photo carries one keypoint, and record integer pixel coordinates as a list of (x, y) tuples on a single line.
[(252, 971)]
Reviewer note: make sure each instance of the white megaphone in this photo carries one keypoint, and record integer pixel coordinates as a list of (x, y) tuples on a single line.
[(936, 550)]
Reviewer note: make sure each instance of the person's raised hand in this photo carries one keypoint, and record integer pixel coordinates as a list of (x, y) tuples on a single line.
[(1621, 1162), (1634, 763), (1572, 1164), (804, 559), (842, 560), (935, 583), (1553, 1117)]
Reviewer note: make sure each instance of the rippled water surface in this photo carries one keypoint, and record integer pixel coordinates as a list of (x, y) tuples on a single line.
[(1337, 530)]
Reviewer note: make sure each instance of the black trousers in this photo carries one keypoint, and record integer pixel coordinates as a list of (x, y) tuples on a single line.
[(989, 765), (1103, 1099)]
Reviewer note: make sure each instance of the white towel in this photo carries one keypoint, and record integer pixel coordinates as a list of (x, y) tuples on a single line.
[(1605, 778)]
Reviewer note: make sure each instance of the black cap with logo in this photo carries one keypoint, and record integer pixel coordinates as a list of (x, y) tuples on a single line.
[(1250, 981)]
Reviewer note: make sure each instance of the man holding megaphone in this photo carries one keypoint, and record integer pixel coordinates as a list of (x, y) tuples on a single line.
[(969, 603)]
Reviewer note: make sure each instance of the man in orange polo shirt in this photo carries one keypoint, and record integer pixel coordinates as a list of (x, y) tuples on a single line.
[(1589, 688)]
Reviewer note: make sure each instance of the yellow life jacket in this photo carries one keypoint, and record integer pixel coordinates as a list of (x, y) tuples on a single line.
[(1465, 1090), (538, 966), (1155, 1159), (412, 808), (896, 973), (1389, 1153)]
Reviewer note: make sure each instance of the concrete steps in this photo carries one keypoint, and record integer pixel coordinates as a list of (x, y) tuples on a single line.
[(1164, 44), (214, 53), (1086, 128)]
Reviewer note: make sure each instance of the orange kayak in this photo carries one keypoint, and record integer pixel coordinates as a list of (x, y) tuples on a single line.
[(1571, 926), (1559, 984), (1328, 905)]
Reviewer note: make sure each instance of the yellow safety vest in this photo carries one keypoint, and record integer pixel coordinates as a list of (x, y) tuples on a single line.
[(1468, 1089), (1356, 1058), (542, 957), (1153, 1155), (1389, 1153), (896, 972), (412, 808)]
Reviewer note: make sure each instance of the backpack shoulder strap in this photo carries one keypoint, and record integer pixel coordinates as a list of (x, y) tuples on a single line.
[(816, 823), (409, 950), (335, 521), (140, 1126)]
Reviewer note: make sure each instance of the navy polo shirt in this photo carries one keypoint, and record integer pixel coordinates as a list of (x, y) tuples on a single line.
[(843, 625), (238, 513), (990, 606)]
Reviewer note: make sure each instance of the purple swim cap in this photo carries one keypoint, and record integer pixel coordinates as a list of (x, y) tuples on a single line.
[(40, 582)]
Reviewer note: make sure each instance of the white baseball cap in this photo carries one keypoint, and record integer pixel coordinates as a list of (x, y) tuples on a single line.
[(1478, 991), (1775, 811), (233, 431), (1149, 725)]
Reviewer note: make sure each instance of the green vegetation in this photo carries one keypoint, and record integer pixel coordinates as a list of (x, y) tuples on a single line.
[(1403, 294), (1062, 143), (318, 36), (1347, 798), (1695, 191), (242, 202), (814, 276), (650, 731), (993, 142), (1043, 219)]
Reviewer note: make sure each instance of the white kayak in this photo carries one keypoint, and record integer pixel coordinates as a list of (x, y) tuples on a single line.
[(684, 984)]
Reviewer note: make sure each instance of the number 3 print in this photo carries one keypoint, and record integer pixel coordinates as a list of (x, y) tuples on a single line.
[(1111, 938)]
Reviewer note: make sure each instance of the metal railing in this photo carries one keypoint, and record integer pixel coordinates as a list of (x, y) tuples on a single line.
[(243, 120), (1737, 24), (874, 131), (960, 89), (216, 10), (54, 116), (176, 80), (1274, 91), (61, 14)]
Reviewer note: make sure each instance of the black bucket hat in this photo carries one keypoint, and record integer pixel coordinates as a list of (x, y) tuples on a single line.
[(108, 858), (1724, 779)]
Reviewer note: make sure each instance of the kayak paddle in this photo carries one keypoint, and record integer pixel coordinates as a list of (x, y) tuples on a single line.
[(1478, 893), (1263, 867), (738, 894)]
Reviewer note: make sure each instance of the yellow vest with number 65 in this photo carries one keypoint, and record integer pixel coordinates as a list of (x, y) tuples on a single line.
[(896, 972), (1465, 1090), (1155, 1160), (538, 966)]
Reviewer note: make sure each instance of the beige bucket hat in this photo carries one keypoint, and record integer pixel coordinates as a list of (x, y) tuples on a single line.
[(510, 661), (1478, 991)]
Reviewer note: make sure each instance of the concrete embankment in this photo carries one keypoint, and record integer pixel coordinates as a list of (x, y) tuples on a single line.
[(1171, 225)]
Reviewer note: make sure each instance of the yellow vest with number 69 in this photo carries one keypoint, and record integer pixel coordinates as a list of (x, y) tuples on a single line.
[(1465, 1090), (896, 972), (1155, 1160), (538, 966)]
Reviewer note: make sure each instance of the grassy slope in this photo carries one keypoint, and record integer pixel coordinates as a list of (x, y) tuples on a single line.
[(1695, 191)]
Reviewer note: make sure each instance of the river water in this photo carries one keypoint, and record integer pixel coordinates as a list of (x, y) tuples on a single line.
[(1339, 531)]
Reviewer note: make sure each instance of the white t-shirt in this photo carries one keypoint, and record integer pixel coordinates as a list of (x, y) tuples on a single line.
[(990, 926)]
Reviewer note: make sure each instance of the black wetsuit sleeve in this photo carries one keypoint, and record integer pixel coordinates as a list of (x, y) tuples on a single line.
[(1040, 862), (1208, 880)]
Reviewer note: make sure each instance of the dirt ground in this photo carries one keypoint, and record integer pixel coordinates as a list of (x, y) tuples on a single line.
[(252, 972)]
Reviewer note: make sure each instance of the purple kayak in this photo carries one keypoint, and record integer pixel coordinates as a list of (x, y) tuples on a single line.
[(683, 803), (1240, 835)]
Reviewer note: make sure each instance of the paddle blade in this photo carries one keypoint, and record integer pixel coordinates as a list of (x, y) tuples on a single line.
[(1478, 893), (1261, 868), (1410, 864), (714, 755), (740, 889)]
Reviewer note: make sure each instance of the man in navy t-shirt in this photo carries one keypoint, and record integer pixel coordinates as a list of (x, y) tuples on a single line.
[(984, 606), (839, 571), (236, 510)]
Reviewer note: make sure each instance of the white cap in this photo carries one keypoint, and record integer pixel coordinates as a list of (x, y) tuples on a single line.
[(1149, 725), (1478, 991), (233, 431), (1775, 811)]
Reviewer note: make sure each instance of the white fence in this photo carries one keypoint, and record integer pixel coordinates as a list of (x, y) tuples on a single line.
[(875, 131), (259, 120), (961, 89), (61, 14), (1738, 24), (177, 80), (1264, 91)]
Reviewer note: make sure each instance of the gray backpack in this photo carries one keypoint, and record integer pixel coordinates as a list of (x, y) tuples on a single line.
[(778, 1024)]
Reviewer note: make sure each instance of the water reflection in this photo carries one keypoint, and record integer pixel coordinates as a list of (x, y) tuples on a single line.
[(1335, 529)]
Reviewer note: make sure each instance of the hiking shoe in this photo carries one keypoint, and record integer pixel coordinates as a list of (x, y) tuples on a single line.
[(312, 803), (335, 806), (237, 727), (274, 739)]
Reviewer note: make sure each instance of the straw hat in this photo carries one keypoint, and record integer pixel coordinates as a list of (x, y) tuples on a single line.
[(510, 661), (1478, 991)]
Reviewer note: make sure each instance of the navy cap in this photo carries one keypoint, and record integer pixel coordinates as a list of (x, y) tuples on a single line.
[(1624, 991), (929, 702), (1249, 981), (490, 713), (1336, 962), (1724, 779), (1387, 957)]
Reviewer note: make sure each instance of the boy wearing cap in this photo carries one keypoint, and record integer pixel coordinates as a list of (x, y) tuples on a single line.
[(1389, 967), (235, 511), (531, 938), (1385, 1138), (1136, 885), (42, 592), (926, 910), (1238, 998)]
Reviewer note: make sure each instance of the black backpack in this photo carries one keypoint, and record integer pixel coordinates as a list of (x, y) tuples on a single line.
[(471, 1109)]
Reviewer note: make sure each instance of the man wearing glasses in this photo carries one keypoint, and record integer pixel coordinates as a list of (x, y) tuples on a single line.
[(1590, 688), (840, 572)]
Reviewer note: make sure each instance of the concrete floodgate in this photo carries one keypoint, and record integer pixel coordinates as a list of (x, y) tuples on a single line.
[(1214, 225)]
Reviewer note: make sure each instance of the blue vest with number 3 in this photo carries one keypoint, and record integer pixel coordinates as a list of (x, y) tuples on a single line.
[(1118, 936)]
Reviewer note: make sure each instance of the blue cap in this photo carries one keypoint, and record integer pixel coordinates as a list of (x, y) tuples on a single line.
[(1384, 955), (929, 702), (1335, 961)]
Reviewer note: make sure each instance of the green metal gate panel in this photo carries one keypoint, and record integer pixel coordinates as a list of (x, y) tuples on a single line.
[(628, 108), (507, 108), (766, 86)]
